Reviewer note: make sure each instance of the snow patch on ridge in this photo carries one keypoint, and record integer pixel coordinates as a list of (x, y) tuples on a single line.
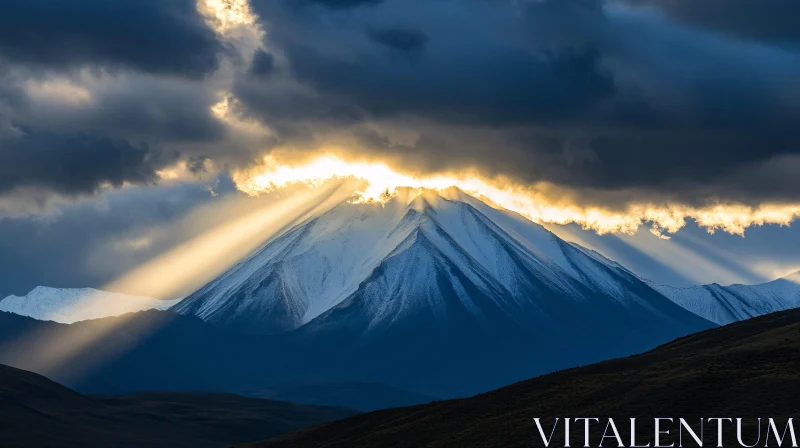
[(69, 305), (727, 304)]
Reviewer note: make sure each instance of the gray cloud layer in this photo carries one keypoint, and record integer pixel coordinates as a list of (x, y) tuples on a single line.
[(583, 93), (157, 36), (690, 101), (75, 164), (774, 21), (102, 93)]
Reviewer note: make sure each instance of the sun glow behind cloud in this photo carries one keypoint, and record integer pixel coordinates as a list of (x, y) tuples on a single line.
[(226, 15), (536, 202), (235, 21)]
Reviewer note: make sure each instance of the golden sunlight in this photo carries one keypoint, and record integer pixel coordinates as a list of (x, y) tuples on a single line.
[(226, 15), (536, 202), (188, 267), (177, 272), (61, 91)]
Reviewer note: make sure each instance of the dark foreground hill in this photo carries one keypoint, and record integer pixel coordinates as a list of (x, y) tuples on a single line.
[(37, 412), (362, 396), (748, 369)]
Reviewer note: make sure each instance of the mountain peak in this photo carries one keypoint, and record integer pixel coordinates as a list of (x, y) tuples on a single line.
[(423, 203), (311, 271)]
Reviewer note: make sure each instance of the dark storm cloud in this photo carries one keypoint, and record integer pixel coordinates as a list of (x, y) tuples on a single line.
[(341, 4), (101, 93), (133, 106), (155, 36), (660, 99), (263, 63), (197, 164), (514, 87), (400, 39), (75, 164), (776, 21), (582, 93), (67, 132), (471, 78)]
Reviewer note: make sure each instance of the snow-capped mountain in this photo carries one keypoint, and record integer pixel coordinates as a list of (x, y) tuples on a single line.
[(727, 304), (69, 305), (437, 281), (323, 262)]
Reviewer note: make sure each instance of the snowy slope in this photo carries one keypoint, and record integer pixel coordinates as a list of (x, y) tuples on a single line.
[(304, 272), (323, 262), (69, 305), (727, 304)]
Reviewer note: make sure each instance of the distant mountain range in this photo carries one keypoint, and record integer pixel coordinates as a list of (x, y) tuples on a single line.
[(716, 303), (69, 305), (432, 294), (726, 304), (747, 369)]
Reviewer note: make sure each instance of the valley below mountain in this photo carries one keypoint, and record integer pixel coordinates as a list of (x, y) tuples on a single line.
[(747, 369), (37, 412), (160, 350)]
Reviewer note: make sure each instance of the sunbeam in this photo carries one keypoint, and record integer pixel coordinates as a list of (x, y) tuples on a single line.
[(176, 272)]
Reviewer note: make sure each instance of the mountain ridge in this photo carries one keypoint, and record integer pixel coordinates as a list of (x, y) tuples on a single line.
[(69, 305), (727, 304)]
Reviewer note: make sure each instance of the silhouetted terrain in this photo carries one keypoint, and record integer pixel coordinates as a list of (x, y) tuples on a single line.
[(362, 396), (37, 412), (747, 369)]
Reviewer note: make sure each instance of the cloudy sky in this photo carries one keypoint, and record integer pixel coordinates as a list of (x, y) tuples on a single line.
[(617, 123)]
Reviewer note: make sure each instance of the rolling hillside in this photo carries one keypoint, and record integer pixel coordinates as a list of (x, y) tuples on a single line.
[(35, 411), (747, 369)]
